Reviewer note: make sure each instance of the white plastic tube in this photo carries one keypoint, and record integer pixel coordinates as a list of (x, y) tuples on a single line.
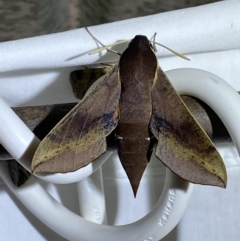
[(176, 192), (91, 198)]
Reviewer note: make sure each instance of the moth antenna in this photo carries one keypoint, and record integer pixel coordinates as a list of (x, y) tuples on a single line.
[(104, 47), (154, 42), (173, 51), (94, 37), (107, 48)]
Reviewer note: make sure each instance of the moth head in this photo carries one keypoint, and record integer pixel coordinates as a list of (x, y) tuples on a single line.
[(140, 41)]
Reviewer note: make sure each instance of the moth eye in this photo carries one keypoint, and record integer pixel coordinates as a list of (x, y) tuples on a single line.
[(45, 157), (214, 170), (203, 163), (56, 152)]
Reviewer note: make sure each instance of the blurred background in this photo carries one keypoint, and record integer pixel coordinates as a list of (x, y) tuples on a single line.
[(28, 18)]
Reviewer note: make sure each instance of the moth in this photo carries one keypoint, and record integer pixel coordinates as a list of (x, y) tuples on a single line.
[(136, 100)]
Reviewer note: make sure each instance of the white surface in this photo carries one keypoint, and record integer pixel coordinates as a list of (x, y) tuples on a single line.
[(209, 35)]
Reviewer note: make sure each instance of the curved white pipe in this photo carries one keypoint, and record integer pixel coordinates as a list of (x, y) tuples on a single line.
[(176, 193)]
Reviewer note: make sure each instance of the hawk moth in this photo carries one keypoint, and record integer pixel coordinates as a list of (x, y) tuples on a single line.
[(137, 101)]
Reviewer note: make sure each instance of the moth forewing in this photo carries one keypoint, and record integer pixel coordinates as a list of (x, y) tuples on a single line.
[(183, 146), (80, 137)]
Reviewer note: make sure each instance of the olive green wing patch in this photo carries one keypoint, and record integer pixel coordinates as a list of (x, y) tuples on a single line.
[(80, 137), (183, 146)]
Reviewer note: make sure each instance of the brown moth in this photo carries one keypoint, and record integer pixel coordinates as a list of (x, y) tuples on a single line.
[(135, 99)]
